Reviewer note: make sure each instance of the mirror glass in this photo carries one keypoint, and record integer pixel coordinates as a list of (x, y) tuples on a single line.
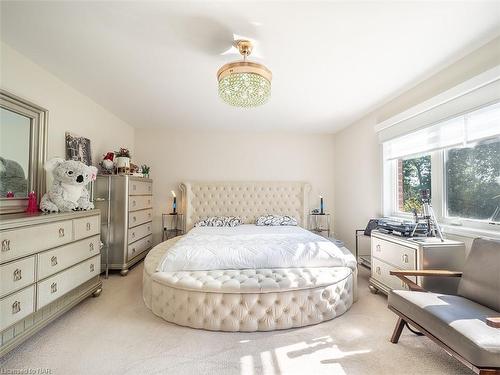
[(15, 133)]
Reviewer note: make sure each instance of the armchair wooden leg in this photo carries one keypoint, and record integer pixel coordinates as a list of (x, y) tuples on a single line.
[(397, 331)]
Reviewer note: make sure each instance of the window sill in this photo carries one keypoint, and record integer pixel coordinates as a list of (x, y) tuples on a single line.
[(462, 231), (469, 232)]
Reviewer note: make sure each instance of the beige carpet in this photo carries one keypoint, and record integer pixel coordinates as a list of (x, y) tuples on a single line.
[(117, 334)]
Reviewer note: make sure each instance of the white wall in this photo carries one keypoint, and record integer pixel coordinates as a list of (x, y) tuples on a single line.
[(180, 155), (358, 172), (69, 110)]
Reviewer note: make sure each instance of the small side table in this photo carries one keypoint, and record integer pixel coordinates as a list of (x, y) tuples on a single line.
[(170, 225), (363, 259), (319, 223)]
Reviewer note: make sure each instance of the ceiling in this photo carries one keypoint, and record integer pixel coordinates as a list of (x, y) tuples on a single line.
[(154, 64)]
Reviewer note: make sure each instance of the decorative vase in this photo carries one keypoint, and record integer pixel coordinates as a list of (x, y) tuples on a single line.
[(122, 162)]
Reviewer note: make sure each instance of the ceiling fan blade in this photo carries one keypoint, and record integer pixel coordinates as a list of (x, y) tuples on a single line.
[(213, 36), (233, 50)]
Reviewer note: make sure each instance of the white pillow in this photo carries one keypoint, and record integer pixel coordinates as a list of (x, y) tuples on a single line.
[(276, 220), (220, 221)]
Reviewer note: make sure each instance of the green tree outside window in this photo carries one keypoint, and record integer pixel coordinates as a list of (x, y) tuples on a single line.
[(473, 181), (416, 177)]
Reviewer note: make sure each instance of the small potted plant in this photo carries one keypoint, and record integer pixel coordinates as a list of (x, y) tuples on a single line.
[(122, 159), (145, 170)]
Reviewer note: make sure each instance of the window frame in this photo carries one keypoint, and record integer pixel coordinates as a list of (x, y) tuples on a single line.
[(439, 199)]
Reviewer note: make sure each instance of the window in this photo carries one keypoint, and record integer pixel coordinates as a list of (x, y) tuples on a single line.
[(458, 160), (414, 175), (473, 181)]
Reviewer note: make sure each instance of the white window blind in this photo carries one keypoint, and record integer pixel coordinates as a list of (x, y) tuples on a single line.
[(475, 93), (459, 131), (483, 123)]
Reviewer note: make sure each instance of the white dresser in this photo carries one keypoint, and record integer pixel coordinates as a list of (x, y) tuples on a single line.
[(48, 263), (126, 204), (389, 252)]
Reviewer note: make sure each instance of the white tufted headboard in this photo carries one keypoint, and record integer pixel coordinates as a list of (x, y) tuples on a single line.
[(247, 200)]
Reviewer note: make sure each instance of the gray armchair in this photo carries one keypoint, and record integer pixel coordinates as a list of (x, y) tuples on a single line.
[(467, 325)]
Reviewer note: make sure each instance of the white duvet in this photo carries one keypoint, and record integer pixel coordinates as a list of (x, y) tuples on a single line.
[(252, 247)]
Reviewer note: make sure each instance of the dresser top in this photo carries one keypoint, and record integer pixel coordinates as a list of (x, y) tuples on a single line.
[(10, 221), (416, 241), (125, 176)]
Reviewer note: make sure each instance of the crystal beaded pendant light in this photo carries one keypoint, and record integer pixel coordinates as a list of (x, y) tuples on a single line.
[(244, 83)]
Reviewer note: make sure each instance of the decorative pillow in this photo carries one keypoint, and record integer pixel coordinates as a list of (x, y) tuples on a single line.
[(220, 221), (275, 220)]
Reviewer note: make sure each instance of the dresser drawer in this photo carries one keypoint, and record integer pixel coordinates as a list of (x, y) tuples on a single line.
[(399, 256), (16, 275), (16, 243), (17, 306), (139, 232), (139, 217), (56, 286), (140, 188), (139, 246), (52, 261), (86, 226), (380, 272), (140, 202)]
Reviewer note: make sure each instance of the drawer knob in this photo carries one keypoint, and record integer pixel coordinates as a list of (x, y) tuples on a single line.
[(91, 246), (53, 288), (16, 307), (149, 214), (134, 203), (92, 267), (88, 226), (405, 258), (5, 245), (134, 218), (377, 247), (133, 234), (133, 250), (149, 201), (149, 188), (17, 275), (377, 270), (61, 232), (53, 261), (134, 187)]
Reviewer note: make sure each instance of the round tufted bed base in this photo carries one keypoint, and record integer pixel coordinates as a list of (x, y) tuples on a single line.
[(246, 300)]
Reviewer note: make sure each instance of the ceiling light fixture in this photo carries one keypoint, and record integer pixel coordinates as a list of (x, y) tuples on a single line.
[(244, 83)]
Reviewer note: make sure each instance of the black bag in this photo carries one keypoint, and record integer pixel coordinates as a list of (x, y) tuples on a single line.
[(372, 224)]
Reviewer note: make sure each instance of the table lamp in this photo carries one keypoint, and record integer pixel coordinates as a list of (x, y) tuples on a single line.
[(174, 206)]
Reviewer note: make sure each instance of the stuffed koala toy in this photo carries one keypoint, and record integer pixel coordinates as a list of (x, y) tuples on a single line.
[(68, 192)]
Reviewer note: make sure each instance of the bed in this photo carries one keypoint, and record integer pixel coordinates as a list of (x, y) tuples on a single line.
[(248, 278)]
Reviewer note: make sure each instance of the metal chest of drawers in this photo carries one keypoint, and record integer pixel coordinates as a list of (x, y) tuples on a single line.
[(48, 263), (126, 203), (390, 252)]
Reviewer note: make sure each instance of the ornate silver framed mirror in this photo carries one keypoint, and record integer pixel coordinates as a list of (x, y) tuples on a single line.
[(23, 148)]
